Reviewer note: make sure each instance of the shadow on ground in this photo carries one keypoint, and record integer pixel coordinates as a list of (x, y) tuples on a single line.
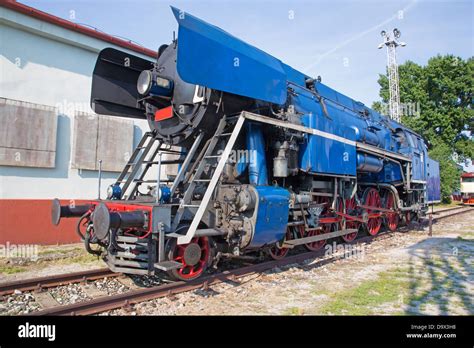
[(441, 277)]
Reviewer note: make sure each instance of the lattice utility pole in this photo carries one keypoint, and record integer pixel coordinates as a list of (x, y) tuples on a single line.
[(393, 85)]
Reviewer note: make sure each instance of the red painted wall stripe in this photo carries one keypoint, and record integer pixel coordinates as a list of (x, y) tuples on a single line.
[(28, 221)]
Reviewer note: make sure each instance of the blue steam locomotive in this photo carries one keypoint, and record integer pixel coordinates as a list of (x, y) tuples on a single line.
[(267, 158)]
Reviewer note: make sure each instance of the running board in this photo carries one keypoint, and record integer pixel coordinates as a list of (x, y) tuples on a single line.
[(205, 232), (294, 242)]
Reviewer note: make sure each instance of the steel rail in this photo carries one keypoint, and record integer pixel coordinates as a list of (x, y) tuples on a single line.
[(457, 211), (56, 280), (443, 210)]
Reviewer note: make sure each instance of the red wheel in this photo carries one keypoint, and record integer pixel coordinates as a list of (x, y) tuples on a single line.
[(392, 219), (194, 257), (340, 208), (371, 198), (351, 206), (276, 252), (314, 246)]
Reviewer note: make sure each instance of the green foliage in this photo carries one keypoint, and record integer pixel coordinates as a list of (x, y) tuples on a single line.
[(11, 269), (440, 100)]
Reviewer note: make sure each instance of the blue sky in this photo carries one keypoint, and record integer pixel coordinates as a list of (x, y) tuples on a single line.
[(336, 39)]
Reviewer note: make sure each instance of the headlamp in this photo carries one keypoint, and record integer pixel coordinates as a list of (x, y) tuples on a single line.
[(114, 192), (144, 82), (149, 83)]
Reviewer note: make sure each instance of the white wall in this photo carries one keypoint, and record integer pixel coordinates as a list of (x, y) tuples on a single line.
[(46, 64)]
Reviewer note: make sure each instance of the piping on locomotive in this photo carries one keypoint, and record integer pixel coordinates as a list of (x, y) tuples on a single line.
[(269, 159)]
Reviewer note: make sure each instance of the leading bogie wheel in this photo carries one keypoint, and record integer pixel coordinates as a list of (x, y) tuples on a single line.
[(195, 257)]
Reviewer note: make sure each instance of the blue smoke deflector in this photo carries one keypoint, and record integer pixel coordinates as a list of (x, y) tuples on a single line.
[(209, 56)]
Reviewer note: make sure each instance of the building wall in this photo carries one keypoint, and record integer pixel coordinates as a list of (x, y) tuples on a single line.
[(46, 64)]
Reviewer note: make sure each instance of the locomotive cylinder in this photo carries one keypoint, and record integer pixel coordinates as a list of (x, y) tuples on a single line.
[(245, 200)]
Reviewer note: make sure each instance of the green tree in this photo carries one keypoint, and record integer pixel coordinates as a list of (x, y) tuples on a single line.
[(437, 102)]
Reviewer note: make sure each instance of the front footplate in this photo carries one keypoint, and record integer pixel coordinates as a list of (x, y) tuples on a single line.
[(137, 257)]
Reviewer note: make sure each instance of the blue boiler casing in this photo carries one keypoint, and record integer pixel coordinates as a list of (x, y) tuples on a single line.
[(391, 172), (332, 152), (209, 56)]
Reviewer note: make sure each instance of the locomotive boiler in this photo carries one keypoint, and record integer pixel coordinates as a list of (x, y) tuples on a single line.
[(268, 158)]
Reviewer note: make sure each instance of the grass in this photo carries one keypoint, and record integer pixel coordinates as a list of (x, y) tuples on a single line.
[(293, 311), (435, 282), (60, 256), (364, 299), (82, 259), (467, 236), (11, 269), (58, 251), (434, 262)]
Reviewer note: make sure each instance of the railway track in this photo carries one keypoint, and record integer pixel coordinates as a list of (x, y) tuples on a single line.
[(445, 213), (106, 303), (41, 283)]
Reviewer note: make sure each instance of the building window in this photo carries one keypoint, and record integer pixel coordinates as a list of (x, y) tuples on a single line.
[(105, 138), (28, 134)]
